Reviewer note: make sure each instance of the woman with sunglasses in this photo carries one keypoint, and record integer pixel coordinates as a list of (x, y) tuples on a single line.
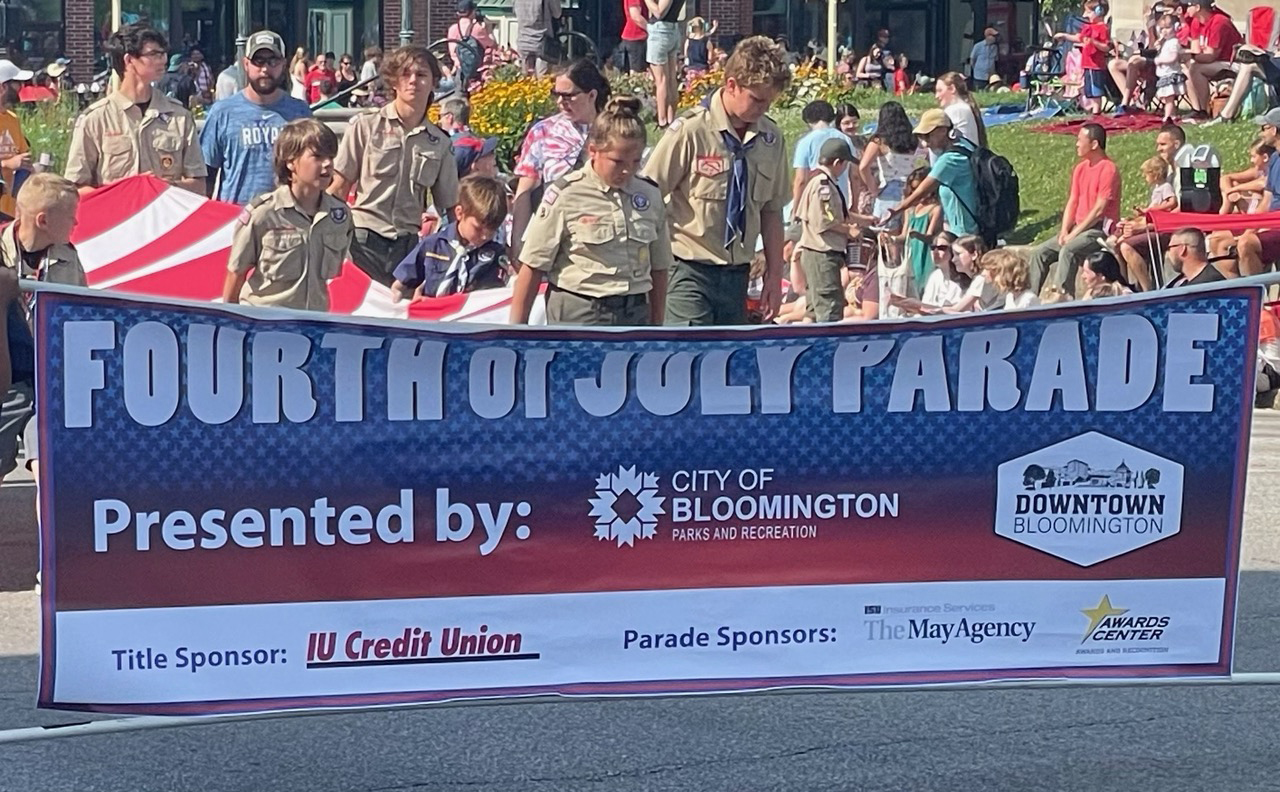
[(554, 146), (346, 78)]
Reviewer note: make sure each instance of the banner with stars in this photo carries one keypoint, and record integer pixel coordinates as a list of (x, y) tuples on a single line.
[(250, 510)]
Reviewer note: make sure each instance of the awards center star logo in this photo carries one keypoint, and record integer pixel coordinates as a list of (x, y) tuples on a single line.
[(626, 506)]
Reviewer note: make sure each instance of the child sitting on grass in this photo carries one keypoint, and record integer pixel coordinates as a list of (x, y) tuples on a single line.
[(1012, 278)]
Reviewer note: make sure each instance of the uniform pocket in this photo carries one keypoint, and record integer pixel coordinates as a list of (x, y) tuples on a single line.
[(383, 161), (117, 151), (761, 188), (645, 232), (590, 234), (282, 256), (711, 188), (426, 168), (335, 251), (168, 155)]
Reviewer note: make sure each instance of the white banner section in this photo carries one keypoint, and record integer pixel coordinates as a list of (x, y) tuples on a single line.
[(777, 636)]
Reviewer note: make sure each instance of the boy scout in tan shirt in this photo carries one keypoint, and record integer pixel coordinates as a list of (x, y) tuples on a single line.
[(723, 166), (395, 157), (599, 247), (292, 241), (824, 233), (136, 129)]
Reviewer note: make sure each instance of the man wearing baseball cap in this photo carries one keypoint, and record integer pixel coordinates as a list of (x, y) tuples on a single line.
[(465, 63), (951, 175), (240, 132), (1260, 250), (15, 152)]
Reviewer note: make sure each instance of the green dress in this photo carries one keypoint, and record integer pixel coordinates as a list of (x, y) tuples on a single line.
[(918, 249)]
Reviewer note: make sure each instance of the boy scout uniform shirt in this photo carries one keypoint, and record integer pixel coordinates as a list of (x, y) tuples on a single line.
[(821, 207), (692, 166), (598, 241), (293, 256), (393, 169), (114, 139), (57, 264)]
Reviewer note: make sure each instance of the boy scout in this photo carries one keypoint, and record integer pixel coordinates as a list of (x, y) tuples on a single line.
[(824, 234), (723, 166), (600, 235), (295, 238), (136, 129), (393, 157), (36, 245)]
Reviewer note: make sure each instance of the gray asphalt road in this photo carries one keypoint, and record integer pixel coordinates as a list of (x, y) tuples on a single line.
[(1159, 739)]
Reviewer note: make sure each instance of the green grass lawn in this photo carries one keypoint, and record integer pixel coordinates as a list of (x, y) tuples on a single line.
[(1044, 162)]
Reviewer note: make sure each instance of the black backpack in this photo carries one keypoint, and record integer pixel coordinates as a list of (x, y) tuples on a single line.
[(996, 183), (470, 53)]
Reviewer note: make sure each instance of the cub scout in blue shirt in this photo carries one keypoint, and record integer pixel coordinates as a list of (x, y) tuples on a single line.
[(463, 256)]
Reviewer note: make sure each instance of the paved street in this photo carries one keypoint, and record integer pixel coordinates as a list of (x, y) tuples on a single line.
[(1161, 739)]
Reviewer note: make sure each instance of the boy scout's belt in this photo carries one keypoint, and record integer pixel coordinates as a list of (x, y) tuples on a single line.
[(707, 265), (614, 302)]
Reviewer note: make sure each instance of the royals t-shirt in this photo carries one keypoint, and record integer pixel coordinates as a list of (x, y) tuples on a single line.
[(239, 137)]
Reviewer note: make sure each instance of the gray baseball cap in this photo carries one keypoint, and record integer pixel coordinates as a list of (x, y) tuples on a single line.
[(1270, 118), (264, 40)]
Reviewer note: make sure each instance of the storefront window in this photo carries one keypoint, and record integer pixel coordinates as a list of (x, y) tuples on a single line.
[(32, 30), (154, 13)]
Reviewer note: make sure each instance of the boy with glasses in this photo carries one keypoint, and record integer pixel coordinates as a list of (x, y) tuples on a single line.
[(240, 132), (136, 129)]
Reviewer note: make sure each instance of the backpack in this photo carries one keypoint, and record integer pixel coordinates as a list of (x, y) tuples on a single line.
[(996, 183), (469, 53)]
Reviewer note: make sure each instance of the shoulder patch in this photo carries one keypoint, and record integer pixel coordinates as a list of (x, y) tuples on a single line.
[(244, 217), (338, 213), (550, 195)]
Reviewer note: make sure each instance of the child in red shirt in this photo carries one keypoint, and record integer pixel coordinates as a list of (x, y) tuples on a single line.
[(900, 85), (1095, 45)]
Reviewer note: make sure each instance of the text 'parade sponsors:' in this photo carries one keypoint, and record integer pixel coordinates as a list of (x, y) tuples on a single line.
[(731, 638)]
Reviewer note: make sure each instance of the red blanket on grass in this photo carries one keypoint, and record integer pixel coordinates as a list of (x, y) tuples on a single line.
[(1136, 122)]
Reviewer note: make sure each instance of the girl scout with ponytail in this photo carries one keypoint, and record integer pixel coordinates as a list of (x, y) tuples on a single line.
[(600, 236)]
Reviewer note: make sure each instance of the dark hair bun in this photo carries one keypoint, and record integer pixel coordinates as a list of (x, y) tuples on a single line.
[(626, 106)]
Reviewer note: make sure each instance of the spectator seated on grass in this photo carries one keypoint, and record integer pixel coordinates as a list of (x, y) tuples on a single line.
[(1138, 241), (1092, 210)]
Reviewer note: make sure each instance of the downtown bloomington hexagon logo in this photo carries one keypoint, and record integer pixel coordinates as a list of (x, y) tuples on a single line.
[(1088, 498), (626, 506)]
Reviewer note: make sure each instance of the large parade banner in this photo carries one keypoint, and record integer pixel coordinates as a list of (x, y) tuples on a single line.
[(256, 511)]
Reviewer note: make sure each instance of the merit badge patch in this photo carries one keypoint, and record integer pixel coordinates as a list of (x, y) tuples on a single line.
[(711, 165), (639, 201), (166, 161)]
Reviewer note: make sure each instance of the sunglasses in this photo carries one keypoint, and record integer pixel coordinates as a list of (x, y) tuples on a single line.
[(567, 96), (941, 247), (263, 63)]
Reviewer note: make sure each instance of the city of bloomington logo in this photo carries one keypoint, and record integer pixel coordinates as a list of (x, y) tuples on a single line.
[(1088, 498)]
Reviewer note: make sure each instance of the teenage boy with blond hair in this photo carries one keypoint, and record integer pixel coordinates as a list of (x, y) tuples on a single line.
[(723, 166)]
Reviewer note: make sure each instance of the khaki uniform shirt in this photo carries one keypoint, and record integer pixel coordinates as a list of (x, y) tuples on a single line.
[(598, 241), (114, 139), (393, 169), (59, 264), (821, 207), (692, 166), (293, 255)]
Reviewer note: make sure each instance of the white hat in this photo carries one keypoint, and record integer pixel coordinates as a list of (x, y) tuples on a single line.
[(8, 72)]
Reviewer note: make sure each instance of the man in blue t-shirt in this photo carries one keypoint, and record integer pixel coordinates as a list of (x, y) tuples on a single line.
[(240, 133), (820, 116), (951, 175), (1259, 251)]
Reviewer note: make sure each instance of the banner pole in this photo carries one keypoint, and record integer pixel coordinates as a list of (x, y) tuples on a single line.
[(151, 722)]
